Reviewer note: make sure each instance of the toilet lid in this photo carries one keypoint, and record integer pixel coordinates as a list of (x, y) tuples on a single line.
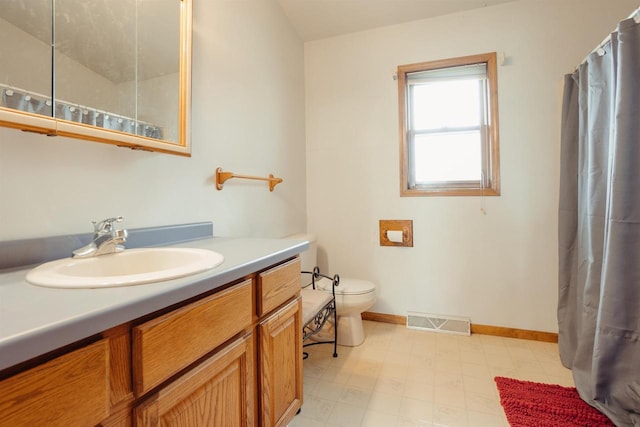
[(347, 286)]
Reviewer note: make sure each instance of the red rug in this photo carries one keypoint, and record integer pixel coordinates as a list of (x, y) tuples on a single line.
[(529, 404)]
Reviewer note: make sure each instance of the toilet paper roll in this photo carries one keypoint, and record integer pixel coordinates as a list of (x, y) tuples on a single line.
[(394, 236)]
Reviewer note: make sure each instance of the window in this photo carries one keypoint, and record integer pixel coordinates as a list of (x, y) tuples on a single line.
[(449, 127)]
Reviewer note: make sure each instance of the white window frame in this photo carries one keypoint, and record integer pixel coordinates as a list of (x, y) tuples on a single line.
[(489, 183)]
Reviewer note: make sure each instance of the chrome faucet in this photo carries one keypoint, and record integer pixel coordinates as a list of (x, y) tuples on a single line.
[(106, 240)]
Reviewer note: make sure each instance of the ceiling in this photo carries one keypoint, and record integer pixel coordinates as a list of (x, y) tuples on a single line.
[(318, 19), (107, 46)]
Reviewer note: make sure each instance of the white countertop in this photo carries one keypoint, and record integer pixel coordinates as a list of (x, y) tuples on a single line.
[(35, 320)]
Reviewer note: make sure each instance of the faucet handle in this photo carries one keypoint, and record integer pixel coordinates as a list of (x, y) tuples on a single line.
[(106, 225)]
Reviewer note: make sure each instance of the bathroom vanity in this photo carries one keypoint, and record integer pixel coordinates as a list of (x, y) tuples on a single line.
[(219, 348)]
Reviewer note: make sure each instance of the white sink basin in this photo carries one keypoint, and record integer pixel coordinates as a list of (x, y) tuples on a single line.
[(129, 267)]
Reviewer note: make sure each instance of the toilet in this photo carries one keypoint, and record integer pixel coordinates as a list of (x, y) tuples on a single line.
[(353, 296)]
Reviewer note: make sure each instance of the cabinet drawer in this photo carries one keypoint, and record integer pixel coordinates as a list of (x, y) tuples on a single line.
[(277, 285), (165, 345), (70, 390)]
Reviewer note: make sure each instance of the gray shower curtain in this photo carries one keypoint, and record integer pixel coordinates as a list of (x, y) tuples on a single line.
[(599, 227)]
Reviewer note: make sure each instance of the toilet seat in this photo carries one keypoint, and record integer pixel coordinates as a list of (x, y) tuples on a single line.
[(347, 286)]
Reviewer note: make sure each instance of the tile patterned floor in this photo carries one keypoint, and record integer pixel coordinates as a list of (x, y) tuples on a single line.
[(403, 378)]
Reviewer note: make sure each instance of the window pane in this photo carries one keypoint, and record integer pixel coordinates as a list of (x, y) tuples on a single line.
[(441, 157), (448, 103)]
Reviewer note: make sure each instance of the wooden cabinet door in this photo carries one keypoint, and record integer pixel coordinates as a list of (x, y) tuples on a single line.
[(281, 365), (70, 390), (220, 392)]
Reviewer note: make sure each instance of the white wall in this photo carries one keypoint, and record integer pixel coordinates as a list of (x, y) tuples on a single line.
[(248, 117), (499, 268)]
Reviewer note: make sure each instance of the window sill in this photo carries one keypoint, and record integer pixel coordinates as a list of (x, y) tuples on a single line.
[(405, 192)]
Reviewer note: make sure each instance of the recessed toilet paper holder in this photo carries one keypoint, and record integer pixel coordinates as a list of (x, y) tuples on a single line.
[(396, 232)]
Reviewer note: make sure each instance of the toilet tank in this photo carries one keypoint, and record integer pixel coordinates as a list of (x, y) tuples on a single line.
[(308, 257)]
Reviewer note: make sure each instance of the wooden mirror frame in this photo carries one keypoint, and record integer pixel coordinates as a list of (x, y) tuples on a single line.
[(51, 126)]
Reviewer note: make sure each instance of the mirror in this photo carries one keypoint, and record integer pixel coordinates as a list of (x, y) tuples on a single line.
[(115, 71), (29, 47)]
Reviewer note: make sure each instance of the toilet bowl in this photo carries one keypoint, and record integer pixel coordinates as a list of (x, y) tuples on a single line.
[(353, 296)]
